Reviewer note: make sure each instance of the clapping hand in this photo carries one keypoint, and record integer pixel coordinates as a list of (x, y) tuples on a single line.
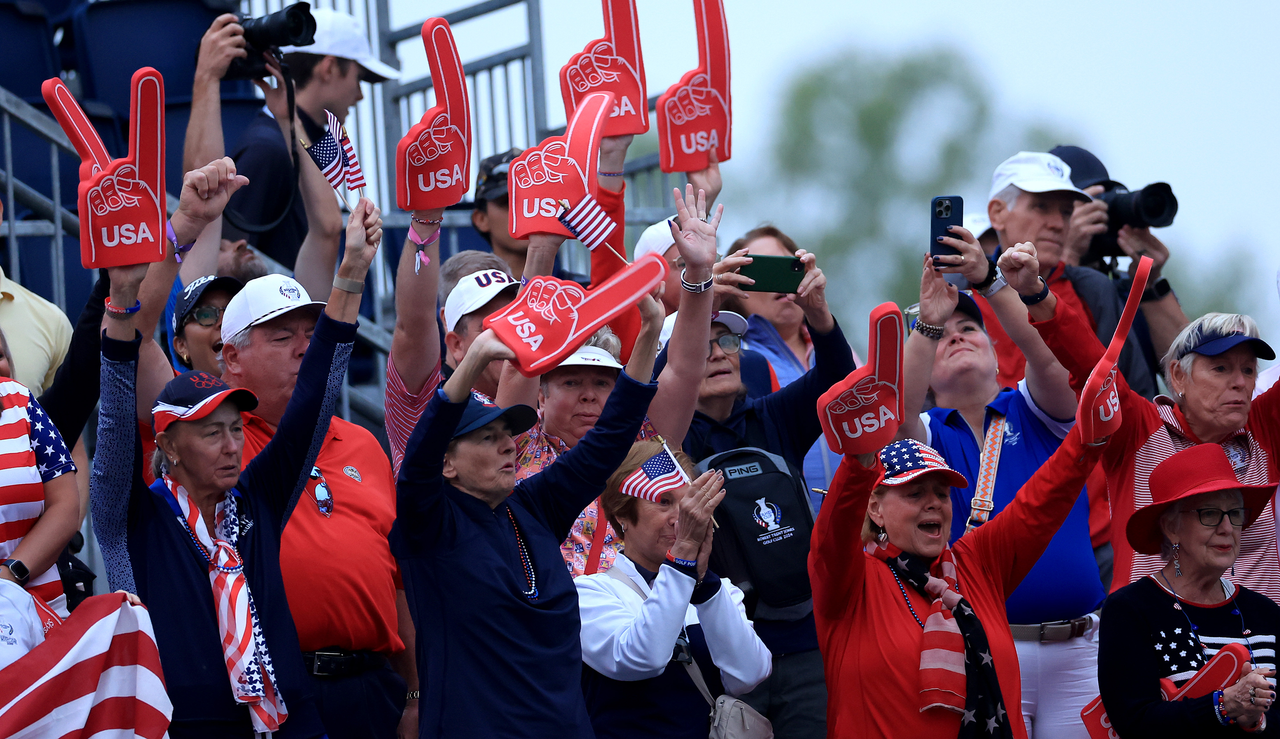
[(693, 526)]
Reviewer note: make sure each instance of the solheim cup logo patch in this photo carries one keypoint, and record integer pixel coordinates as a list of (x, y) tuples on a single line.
[(768, 515), (290, 292), (1055, 169)]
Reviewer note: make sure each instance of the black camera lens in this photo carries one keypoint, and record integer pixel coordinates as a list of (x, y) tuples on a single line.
[(797, 266), (293, 26), (1152, 206)]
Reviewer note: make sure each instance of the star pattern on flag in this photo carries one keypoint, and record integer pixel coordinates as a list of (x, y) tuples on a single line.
[(52, 456), (907, 456)]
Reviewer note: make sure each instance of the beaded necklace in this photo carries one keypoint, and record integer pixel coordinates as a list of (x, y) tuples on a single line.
[(205, 553), (1195, 630), (904, 595), (530, 576)]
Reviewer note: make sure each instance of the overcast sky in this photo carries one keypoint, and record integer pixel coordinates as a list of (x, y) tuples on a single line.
[(1175, 91)]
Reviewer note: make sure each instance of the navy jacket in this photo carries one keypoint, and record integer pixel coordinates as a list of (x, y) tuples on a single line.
[(147, 551), (491, 662), (785, 422)]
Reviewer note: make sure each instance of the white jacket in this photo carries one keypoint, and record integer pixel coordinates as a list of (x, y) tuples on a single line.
[(626, 638)]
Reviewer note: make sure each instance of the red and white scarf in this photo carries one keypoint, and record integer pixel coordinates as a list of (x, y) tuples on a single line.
[(957, 672), (253, 679)]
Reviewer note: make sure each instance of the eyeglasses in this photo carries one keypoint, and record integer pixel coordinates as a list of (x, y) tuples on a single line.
[(1213, 516), (205, 315), (729, 344)]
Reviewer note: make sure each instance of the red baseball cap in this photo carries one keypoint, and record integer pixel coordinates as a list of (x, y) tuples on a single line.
[(193, 395), (1204, 468)]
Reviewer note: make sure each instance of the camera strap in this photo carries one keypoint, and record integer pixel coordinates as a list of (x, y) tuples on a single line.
[(235, 218)]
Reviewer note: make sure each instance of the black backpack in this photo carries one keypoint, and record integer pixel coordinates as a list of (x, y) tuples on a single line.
[(765, 520)]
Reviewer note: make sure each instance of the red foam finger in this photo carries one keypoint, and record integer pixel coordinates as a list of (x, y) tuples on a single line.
[(433, 159), (862, 413), (551, 317), (561, 168), (700, 120), (146, 130), (612, 64), (93, 153), (1099, 411)]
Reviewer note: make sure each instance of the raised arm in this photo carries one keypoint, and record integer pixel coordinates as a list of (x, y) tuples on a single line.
[(673, 406), (514, 388), (415, 345), (117, 462), (71, 398), (281, 470), (837, 565), (938, 300)]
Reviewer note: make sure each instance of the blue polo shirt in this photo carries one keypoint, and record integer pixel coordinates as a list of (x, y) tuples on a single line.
[(1064, 583)]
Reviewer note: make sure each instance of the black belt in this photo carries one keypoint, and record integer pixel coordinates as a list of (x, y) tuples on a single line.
[(334, 662)]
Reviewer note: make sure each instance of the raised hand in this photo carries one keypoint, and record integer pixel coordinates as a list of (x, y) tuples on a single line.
[(971, 263), (695, 234), (1021, 268), (693, 524), (561, 168), (695, 114), (938, 298), (364, 234), (550, 318), (611, 64), (861, 414), (1098, 415), (433, 160), (122, 200), (205, 192)]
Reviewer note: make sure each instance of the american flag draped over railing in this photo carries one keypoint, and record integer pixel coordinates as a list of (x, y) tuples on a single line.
[(336, 157)]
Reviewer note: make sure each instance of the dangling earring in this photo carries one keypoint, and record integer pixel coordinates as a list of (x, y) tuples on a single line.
[(883, 536), (1177, 566)]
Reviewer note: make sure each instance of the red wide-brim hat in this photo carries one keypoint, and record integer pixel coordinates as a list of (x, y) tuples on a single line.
[(1203, 468)]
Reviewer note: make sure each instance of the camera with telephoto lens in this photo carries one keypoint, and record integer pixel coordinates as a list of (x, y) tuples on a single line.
[(293, 26), (1154, 206)]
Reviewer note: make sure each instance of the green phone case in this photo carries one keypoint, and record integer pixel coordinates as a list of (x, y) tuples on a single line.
[(773, 274)]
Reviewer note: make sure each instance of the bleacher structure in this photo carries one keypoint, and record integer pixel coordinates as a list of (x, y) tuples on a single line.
[(96, 47)]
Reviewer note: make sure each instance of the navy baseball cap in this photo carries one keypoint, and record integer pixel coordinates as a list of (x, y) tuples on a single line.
[(1087, 170), (965, 304), (1213, 344), (491, 180), (190, 296), (520, 418), (193, 395)]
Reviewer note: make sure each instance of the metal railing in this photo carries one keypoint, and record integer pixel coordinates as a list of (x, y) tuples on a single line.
[(509, 102)]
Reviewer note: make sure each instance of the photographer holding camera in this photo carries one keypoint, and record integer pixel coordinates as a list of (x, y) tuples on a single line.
[(327, 74), (1118, 223)]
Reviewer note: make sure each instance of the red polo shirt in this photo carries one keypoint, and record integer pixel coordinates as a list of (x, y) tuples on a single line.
[(338, 570)]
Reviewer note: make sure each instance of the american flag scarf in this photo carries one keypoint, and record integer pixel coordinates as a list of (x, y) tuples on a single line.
[(956, 670), (336, 157), (253, 679)]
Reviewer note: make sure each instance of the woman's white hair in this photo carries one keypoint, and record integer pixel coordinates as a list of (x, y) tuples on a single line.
[(1218, 324), (606, 339)]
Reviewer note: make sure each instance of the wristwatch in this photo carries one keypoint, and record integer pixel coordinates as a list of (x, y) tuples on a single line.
[(1157, 290), (18, 570), (992, 275), (996, 286)]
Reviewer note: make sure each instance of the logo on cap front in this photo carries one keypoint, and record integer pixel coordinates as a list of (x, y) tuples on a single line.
[(1054, 168), (290, 292), (204, 380), (199, 281)]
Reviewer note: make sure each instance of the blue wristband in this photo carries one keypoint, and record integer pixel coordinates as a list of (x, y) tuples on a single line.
[(682, 562)]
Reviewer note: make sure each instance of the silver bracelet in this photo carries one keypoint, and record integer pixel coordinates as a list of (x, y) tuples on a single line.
[(696, 287), (349, 286), (928, 330)]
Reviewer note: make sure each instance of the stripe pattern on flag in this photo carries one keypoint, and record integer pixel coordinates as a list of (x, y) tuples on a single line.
[(657, 475), (588, 222), (21, 486), (98, 674)]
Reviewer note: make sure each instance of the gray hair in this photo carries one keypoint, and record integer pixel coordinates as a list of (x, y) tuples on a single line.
[(240, 340), (1171, 514), (1210, 323), (1008, 196), (159, 464), (466, 262)]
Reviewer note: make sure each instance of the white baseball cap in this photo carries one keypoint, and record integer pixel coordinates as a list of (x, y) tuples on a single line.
[(342, 35), (473, 292), (261, 300), (1034, 171), (655, 239), (590, 356), (732, 321)]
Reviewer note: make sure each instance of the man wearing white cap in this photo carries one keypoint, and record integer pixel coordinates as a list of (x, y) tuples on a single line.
[(327, 75), (1032, 199), (334, 555)]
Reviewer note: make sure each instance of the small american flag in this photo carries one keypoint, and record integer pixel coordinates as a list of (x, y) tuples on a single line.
[(659, 474), (336, 157), (587, 221), (97, 674)]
